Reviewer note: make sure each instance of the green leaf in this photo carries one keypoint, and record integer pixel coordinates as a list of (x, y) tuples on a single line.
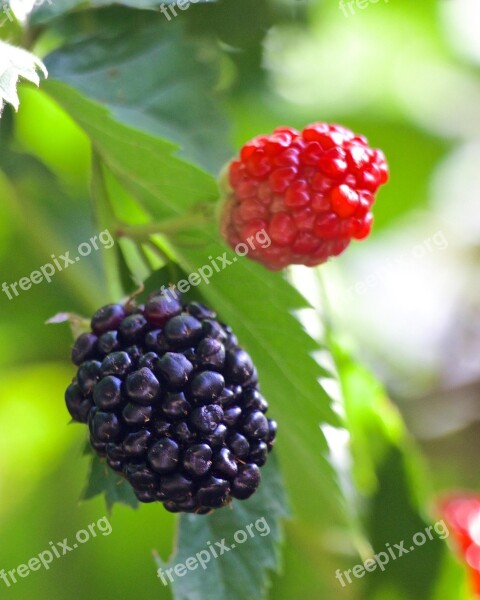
[(57, 222), (251, 532), (16, 63), (260, 306), (51, 9), (151, 77), (243, 38), (415, 573), (146, 165), (102, 480), (257, 305), (454, 579)]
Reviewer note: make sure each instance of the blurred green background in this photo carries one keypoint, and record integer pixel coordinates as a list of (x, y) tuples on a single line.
[(406, 74)]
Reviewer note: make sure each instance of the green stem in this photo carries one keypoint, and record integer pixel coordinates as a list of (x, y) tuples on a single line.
[(101, 206), (105, 218), (326, 306), (30, 36), (203, 215)]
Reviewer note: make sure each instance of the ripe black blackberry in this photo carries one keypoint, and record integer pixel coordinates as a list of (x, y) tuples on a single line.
[(172, 403)]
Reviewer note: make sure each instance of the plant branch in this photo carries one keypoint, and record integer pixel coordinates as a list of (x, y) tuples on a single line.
[(104, 217), (200, 216)]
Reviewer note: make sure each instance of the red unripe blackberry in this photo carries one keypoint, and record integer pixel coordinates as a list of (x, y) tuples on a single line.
[(461, 511), (310, 191), (172, 403)]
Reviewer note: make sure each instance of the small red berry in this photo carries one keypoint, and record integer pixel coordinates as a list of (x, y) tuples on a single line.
[(311, 191), (461, 511)]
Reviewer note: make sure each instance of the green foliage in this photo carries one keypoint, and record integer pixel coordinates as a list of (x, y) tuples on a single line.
[(145, 165), (52, 9), (173, 100), (258, 306), (127, 135)]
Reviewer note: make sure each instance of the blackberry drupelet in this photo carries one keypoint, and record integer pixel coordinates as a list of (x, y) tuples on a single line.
[(172, 403)]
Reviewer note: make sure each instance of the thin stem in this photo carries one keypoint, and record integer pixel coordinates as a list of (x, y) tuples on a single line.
[(30, 36), (203, 215), (101, 206), (104, 217), (327, 308)]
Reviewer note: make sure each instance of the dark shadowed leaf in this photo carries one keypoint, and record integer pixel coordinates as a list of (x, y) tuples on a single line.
[(102, 480), (172, 98)]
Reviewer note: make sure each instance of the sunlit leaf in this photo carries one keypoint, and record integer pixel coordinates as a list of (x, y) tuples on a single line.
[(16, 64)]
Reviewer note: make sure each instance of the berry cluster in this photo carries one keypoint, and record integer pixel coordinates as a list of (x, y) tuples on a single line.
[(312, 191), (462, 513), (172, 402)]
